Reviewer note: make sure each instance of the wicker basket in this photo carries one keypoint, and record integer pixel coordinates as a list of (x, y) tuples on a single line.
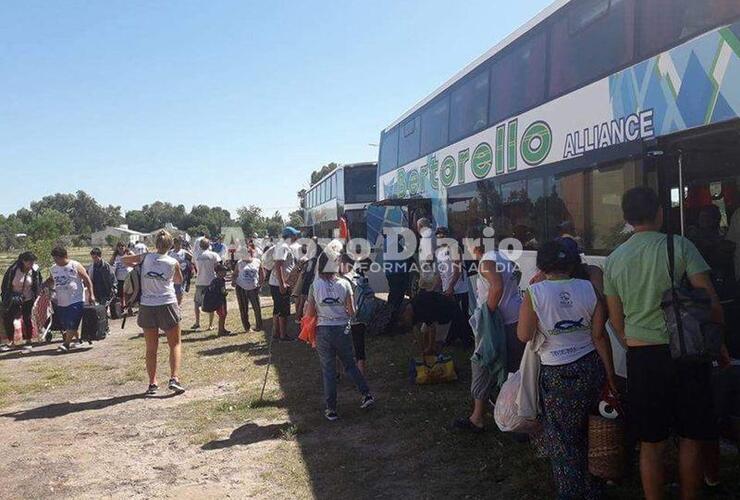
[(606, 452)]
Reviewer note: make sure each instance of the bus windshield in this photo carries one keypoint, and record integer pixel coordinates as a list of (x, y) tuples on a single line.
[(359, 184)]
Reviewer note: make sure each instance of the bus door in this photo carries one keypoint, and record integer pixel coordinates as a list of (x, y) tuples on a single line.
[(708, 168)]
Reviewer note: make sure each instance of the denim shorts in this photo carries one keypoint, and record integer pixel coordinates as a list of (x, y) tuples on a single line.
[(69, 317)]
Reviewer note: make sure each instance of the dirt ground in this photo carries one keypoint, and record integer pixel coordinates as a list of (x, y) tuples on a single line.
[(78, 426)]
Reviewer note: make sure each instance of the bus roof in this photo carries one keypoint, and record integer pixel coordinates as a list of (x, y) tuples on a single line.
[(544, 14), (345, 166)]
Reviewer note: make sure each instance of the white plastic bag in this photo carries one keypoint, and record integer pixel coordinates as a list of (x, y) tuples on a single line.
[(506, 412)]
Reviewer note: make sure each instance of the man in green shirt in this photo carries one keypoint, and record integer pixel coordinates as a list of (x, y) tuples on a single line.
[(663, 395)]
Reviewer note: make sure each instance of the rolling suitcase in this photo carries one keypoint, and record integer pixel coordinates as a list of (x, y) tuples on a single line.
[(94, 323), (116, 310)]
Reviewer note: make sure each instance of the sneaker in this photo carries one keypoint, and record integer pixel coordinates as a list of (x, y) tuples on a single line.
[(225, 333), (195, 326), (331, 415), (151, 390), (175, 386), (27, 349), (63, 348), (5, 348), (367, 401)]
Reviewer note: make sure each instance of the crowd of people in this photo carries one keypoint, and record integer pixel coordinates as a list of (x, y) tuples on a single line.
[(474, 301)]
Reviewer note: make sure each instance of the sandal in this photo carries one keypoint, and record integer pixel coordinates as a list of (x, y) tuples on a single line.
[(464, 424)]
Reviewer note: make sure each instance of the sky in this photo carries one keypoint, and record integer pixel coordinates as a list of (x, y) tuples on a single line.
[(225, 103)]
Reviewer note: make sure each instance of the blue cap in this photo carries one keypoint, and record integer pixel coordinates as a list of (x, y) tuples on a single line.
[(290, 232), (571, 248)]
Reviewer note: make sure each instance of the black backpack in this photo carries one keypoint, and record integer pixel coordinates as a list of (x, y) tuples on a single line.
[(212, 297), (693, 336)]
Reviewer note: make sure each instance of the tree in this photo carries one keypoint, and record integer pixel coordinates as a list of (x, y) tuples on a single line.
[(83, 210), (49, 224), (138, 221), (113, 216), (198, 230), (302, 198), (274, 225), (111, 241), (156, 215), (295, 218), (212, 217), (9, 227), (319, 174), (251, 220)]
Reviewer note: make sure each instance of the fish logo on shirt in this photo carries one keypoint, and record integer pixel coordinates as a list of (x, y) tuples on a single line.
[(329, 301), (156, 276), (569, 326)]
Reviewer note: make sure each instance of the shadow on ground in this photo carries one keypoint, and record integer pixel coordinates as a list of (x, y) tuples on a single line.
[(61, 409), (247, 434)]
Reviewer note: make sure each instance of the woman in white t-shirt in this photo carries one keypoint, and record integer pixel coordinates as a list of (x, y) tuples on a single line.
[(158, 308), (576, 361), (330, 300), (248, 278)]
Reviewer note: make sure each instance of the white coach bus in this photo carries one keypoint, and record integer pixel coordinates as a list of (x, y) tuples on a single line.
[(543, 134)]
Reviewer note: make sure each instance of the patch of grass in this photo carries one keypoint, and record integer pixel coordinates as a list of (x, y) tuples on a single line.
[(132, 373), (49, 377), (5, 391), (289, 433)]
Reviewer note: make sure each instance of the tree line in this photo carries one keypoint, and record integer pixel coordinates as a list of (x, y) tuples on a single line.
[(78, 215)]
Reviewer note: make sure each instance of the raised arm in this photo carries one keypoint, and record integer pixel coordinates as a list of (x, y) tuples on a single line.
[(132, 260)]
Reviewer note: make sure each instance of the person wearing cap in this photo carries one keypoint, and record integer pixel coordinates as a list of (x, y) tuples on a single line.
[(581, 270), (103, 277), (284, 257)]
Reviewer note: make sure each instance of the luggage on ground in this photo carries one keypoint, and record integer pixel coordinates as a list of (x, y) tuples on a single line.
[(116, 310), (94, 323), (433, 370)]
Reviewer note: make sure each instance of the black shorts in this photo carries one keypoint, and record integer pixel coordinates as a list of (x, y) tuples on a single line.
[(358, 340), (664, 396), (280, 301)]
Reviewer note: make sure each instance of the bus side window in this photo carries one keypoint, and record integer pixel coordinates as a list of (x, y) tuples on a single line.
[(519, 77), (589, 42), (663, 23), (408, 144)]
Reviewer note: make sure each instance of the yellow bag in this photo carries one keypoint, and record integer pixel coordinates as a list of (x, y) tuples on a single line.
[(433, 370)]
